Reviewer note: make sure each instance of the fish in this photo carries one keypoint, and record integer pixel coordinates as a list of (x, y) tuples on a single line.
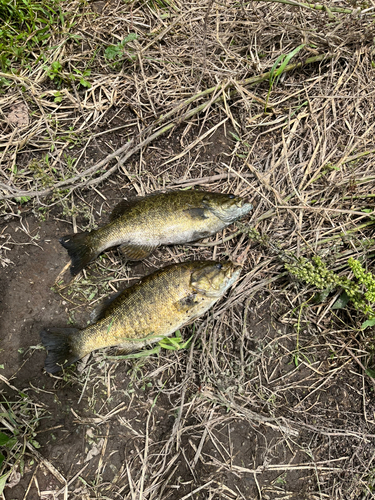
[(145, 312), (139, 226)]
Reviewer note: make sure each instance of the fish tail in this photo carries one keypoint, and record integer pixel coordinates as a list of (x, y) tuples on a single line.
[(60, 351), (80, 250)]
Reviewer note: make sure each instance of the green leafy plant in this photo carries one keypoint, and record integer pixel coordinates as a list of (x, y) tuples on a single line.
[(6, 441), (54, 70), (58, 97), (115, 51), (55, 73), (81, 77), (359, 290), (23, 199)]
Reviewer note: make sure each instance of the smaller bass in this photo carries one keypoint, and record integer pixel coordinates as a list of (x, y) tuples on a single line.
[(144, 313), (140, 226)]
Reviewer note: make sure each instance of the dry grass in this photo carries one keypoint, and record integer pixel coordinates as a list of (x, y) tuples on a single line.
[(293, 392)]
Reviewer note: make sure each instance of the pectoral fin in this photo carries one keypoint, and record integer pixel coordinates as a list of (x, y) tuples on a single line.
[(187, 302), (136, 252), (197, 213)]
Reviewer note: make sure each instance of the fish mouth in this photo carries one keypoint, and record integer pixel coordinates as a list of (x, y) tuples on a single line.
[(233, 271), (241, 203), (232, 274), (214, 282)]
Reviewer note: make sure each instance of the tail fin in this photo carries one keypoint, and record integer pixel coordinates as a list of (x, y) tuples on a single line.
[(60, 352), (79, 250)]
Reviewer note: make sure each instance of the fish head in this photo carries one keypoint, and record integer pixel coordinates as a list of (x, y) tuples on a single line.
[(213, 279), (227, 207)]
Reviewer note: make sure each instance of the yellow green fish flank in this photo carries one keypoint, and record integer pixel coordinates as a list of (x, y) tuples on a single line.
[(140, 226), (146, 312)]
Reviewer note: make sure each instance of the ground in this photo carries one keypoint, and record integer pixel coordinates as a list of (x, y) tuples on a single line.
[(273, 397)]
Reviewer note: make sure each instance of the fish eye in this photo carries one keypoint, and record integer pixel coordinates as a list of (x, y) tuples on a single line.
[(219, 266), (231, 196)]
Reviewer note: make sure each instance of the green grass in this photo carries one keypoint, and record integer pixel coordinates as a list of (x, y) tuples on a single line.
[(167, 5), (278, 69), (27, 26)]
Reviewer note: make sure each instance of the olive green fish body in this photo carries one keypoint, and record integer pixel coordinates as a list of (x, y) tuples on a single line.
[(170, 218), (145, 312)]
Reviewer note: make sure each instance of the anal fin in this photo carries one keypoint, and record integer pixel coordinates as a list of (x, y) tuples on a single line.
[(136, 252)]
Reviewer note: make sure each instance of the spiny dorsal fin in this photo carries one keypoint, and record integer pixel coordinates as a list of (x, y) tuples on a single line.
[(105, 308), (123, 207)]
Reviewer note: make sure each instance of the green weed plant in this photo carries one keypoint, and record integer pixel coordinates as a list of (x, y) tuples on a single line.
[(278, 69), (55, 73), (358, 290), (116, 52)]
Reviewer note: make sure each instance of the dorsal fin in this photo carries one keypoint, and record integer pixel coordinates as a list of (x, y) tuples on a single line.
[(105, 308), (122, 207)]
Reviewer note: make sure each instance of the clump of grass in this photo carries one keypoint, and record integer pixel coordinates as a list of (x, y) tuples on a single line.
[(278, 69), (26, 25)]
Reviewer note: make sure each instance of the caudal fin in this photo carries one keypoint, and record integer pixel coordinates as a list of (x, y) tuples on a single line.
[(79, 250), (60, 352)]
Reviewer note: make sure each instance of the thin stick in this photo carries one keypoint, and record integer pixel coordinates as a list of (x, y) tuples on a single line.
[(314, 6)]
